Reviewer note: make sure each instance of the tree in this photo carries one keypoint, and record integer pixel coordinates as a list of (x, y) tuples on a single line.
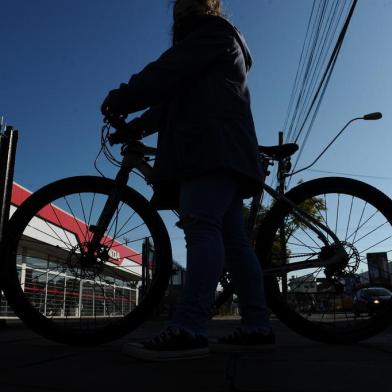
[(280, 253)]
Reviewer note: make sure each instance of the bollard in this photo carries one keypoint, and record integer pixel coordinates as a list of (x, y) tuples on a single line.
[(4, 145), (8, 142), (5, 202)]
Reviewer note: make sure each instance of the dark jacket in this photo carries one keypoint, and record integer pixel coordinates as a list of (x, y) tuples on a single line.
[(200, 104)]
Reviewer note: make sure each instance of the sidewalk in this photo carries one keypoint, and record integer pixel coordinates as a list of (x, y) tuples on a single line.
[(31, 363)]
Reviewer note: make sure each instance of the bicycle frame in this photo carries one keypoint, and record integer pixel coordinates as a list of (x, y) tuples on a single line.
[(135, 157), (315, 226), (138, 161), (304, 217)]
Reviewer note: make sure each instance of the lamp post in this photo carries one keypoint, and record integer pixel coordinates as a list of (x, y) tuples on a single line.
[(370, 116)]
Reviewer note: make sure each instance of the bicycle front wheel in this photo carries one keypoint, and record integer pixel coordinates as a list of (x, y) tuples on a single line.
[(85, 300), (338, 303)]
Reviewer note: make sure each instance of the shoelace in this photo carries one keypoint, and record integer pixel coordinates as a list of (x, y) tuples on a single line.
[(165, 336)]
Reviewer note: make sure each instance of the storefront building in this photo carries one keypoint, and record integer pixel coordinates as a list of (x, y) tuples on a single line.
[(54, 287)]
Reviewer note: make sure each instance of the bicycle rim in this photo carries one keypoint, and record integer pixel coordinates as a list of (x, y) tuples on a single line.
[(59, 294), (325, 303)]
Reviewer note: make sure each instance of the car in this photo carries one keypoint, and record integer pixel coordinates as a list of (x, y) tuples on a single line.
[(370, 300)]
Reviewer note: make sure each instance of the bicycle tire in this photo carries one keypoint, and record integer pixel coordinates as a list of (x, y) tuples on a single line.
[(316, 306), (100, 318)]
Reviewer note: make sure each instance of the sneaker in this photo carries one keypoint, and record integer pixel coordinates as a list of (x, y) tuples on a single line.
[(171, 344), (242, 341)]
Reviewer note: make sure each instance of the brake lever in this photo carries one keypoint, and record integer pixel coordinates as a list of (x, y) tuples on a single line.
[(115, 122)]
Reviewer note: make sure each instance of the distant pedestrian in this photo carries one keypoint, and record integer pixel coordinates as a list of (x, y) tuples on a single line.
[(207, 163)]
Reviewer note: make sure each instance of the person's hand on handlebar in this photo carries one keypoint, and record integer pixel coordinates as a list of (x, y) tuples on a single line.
[(115, 103), (130, 131)]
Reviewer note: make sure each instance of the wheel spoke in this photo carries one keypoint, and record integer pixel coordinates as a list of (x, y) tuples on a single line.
[(74, 218), (324, 297), (81, 291), (349, 218)]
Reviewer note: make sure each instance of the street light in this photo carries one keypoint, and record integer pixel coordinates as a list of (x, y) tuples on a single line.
[(370, 116)]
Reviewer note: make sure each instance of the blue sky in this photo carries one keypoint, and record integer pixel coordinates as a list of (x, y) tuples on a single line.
[(59, 59)]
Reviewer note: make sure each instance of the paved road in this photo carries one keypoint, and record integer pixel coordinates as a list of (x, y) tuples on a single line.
[(31, 363)]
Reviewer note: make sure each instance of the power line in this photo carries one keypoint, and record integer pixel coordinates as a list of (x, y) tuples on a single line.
[(330, 66), (318, 96), (307, 64), (324, 46), (350, 174), (297, 76), (312, 75)]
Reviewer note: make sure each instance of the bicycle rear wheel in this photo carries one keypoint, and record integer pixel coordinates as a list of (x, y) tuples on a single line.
[(59, 294), (325, 303)]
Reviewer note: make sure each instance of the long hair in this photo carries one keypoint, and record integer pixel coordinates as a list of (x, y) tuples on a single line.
[(200, 7), (210, 7), (213, 7)]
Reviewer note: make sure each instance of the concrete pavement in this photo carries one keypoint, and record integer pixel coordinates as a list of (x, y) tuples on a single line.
[(31, 363)]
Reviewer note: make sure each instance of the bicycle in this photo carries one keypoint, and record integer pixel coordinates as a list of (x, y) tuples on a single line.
[(100, 285)]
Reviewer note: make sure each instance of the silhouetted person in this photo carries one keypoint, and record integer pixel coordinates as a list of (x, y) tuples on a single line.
[(207, 163)]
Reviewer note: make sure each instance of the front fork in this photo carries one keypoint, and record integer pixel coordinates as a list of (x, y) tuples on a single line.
[(107, 213)]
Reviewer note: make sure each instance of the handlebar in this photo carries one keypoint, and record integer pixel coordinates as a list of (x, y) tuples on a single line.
[(125, 132), (116, 122)]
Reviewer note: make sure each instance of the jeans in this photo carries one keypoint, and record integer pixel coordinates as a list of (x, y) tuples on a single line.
[(211, 215)]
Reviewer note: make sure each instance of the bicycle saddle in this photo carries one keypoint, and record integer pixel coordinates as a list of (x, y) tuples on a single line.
[(280, 151)]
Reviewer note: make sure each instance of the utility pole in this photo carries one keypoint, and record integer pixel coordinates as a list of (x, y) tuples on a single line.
[(282, 236)]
